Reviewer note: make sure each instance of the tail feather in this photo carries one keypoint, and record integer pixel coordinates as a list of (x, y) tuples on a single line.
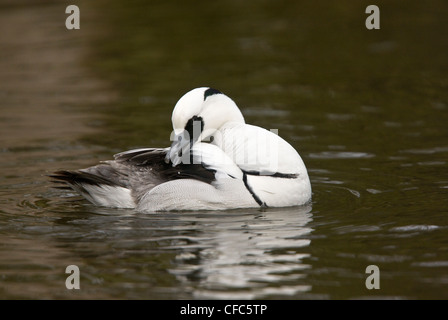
[(80, 177), (98, 190)]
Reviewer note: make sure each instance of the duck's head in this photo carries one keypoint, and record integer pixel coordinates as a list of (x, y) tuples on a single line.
[(196, 117)]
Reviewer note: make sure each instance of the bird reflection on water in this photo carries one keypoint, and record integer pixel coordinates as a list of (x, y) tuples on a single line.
[(246, 257)]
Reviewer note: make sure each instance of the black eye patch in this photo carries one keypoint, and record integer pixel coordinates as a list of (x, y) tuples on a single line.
[(194, 127), (210, 92)]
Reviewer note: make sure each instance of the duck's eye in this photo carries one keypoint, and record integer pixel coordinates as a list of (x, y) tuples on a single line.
[(212, 138)]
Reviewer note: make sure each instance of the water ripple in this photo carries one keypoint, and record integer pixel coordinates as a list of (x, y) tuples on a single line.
[(341, 155), (413, 228)]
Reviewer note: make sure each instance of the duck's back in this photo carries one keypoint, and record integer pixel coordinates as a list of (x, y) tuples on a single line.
[(274, 170)]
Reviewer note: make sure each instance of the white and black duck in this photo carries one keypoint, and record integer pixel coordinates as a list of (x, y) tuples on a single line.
[(216, 161)]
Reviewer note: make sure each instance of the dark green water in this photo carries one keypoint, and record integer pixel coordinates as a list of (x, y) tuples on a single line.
[(366, 109)]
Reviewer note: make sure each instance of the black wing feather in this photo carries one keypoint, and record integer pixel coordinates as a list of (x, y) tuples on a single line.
[(139, 170)]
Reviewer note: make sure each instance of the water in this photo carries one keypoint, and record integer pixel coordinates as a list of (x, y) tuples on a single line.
[(367, 110)]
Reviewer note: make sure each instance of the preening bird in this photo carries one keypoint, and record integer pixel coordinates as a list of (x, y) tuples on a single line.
[(216, 161)]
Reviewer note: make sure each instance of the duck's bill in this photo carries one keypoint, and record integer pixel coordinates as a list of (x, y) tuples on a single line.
[(179, 152)]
